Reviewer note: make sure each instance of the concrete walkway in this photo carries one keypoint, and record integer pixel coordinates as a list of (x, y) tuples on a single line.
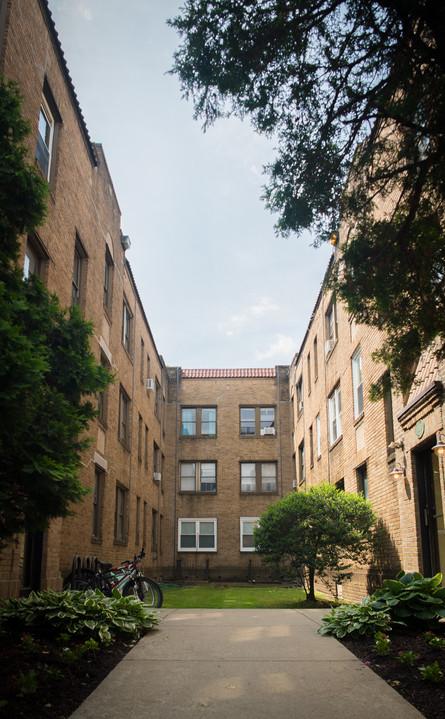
[(242, 664)]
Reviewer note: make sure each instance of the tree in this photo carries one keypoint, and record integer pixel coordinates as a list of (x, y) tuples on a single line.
[(317, 532), (47, 370), (354, 93)]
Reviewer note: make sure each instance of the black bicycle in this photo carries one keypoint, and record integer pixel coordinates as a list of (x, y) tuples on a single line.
[(127, 579)]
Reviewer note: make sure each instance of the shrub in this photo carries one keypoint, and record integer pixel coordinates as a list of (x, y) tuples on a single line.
[(80, 613), (412, 598), (356, 620)]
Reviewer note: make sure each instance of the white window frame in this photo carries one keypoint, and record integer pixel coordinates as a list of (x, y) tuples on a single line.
[(242, 534), (335, 425), (197, 476), (49, 119), (198, 521), (318, 431), (357, 383)]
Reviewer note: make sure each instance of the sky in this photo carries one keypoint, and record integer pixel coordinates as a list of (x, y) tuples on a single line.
[(219, 288)]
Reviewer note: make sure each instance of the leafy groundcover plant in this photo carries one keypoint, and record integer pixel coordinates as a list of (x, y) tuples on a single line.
[(356, 620), (80, 613), (412, 598)]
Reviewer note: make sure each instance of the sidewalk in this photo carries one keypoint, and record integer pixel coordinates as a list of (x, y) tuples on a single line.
[(242, 664)]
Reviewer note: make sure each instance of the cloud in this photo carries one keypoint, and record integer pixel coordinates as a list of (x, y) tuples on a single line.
[(237, 322), (281, 350)]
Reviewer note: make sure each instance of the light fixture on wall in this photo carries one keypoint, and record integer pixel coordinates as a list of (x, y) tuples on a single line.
[(398, 472), (439, 448)]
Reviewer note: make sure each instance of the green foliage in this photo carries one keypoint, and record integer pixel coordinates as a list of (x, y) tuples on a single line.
[(412, 598), (320, 531), (433, 641), (408, 658), (354, 94), (23, 191), (48, 373), (355, 620), (81, 613), (431, 672), (27, 683), (382, 644)]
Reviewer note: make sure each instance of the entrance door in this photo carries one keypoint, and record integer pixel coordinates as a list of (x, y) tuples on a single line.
[(32, 563), (431, 513)]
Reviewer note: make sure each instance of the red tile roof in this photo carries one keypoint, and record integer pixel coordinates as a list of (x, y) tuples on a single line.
[(223, 373)]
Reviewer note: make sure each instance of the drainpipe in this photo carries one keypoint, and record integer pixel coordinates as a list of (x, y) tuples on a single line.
[(279, 428), (325, 387), (175, 522), (132, 415)]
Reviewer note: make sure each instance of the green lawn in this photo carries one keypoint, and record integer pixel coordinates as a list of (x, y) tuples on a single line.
[(227, 596)]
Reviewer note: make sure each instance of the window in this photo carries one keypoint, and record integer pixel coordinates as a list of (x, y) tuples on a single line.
[(144, 525), (120, 513), (330, 328), (146, 448), (103, 395), (315, 358), (318, 431), (247, 525), (35, 257), (156, 457), (340, 485), (157, 397), (197, 535), (99, 482), (198, 421), (335, 429), (138, 521), (108, 280), (311, 445), (124, 416), (140, 438), (389, 417), (256, 421), (309, 373), (299, 389), (301, 464), (154, 530), (78, 279), (142, 367), (362, 480), (47, 133), (127, 319), (148, 366), (357, 383), (198, 476), (258, 477)]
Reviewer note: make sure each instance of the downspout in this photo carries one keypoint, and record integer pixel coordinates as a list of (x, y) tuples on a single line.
[(132, 416), (325, 388), (279, 429), (175, 522)]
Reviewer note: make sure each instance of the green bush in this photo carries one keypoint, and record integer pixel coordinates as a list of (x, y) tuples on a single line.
[(412, 598), (356, 620), (80, 613)]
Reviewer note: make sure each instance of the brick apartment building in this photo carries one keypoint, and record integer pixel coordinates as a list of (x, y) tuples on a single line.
[(185, 461)]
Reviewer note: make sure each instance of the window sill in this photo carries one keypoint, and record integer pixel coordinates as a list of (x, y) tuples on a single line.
[(107, 314), (124, 445), (337, 442), (96, 540), (196, 493), (359, 418), (197, 436), (120, 542), (255, 494)]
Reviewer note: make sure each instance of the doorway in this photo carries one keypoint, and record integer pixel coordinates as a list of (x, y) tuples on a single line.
[(32, 563), (431, 513)]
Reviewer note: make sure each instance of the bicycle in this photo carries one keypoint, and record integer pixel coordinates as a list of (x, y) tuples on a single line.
[(127, 579)]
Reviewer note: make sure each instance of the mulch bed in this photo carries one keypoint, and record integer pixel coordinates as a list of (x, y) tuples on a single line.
[(54, 697), (427, 696), (57, 698)]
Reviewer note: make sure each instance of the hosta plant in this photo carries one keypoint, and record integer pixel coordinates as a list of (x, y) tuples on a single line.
[(355, 620), (412, 598), (80, 613)]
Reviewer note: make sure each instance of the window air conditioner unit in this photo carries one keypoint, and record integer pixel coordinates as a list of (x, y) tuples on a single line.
[(268, 430), (126, 242), (157, 476), (150, 384), (294, 484), (329, 345)]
